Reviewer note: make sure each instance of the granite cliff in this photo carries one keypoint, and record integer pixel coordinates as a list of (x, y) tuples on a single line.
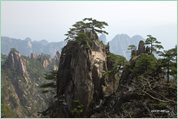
[(21, 78), (88, 73)]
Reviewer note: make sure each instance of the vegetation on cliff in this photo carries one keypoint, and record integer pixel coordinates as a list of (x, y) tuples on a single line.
[(113, 87), (143, 90), (86, 25), (90, 81)]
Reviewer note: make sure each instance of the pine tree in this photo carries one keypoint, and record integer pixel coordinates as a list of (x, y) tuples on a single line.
[(50, 85), (153, 43), (169, 62), (86, 25), (133, 50)]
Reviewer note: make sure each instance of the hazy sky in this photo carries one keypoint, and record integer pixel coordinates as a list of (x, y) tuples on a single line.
[(51, 20)]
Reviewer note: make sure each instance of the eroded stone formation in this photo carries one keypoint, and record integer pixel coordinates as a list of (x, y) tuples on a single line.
[(81, 77)]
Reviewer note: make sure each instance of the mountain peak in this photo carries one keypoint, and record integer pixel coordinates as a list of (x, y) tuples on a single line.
[(122, 36), (15, 61), (137, 37), (119, 44), (28, 39)]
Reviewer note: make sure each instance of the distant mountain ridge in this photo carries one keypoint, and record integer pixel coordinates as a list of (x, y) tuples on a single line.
[(27, 46), (118, 45)]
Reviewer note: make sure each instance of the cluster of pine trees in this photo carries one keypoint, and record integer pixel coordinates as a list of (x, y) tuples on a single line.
[(166, 59)]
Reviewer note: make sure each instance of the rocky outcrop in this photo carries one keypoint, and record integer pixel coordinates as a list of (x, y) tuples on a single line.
[(135, 53), (57, 56), (21, 77), (45, 63), (33, 56), (16, 62), (141, 48), (81, 77), (79, 71), (141, 91)]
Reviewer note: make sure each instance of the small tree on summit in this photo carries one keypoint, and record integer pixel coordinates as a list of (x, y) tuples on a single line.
[(132, 48), (87, 24), (153, 43)]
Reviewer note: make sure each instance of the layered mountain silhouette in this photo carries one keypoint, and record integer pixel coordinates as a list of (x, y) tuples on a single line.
[(118, 45), (27, 46)]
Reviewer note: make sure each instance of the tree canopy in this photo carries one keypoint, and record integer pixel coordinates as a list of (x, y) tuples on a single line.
[(50, 85), (169, 62), (86, 25), (153, 43), (145, 64), (132, 47)]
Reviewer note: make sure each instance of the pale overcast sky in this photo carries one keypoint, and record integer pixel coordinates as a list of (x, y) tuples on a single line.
[(51, 20)]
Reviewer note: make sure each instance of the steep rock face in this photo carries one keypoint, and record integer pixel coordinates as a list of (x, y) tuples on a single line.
[(47, 61), (141, 47), (15, 61), (80, 75), (141, 91), (75, 82), (21, 77), (33, 56), (55, 61), (57, 56)]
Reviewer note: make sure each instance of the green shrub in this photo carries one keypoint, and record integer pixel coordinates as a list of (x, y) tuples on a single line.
[(145, 64), (77, 108)]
